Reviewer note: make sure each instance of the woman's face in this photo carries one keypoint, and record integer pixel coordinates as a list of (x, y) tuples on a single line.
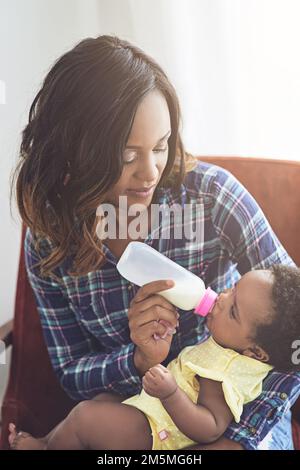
[(239, 310), (146, 152)]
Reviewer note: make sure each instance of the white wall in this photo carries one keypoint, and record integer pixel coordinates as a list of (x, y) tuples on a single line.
[(235, 65), (33, 33)]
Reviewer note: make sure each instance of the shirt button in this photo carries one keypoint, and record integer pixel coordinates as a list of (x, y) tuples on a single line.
[(283, 396), (271, 413), (253, 430)]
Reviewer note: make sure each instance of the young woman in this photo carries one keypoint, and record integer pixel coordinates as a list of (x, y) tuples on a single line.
[(103, 127)]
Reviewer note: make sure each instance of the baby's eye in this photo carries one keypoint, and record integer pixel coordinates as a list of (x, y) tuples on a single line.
[(231, 312)]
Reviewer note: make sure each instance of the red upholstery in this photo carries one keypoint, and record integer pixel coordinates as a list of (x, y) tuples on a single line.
[(34, 399), (275, 185)]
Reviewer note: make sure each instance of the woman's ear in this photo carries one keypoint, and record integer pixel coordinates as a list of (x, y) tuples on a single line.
[(256, 352)]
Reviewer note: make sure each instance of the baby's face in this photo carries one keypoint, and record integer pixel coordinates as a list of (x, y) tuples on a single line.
[(238, 310)]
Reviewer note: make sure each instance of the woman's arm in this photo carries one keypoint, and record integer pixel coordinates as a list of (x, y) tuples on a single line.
[(81, 364), (151, 314), (202, 422), (280, 391), (84, 368)]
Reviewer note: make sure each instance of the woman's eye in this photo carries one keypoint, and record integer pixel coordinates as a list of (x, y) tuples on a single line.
[(129, 156), (160, 150)]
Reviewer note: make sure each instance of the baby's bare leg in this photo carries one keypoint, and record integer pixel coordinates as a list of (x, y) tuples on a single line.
[(25, 441), (101, 397), (102, 426)]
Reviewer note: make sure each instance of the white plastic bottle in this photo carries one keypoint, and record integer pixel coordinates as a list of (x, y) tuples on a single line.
[(141, 264)]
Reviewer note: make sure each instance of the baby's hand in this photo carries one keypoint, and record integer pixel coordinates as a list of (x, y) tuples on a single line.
[(159, 382)]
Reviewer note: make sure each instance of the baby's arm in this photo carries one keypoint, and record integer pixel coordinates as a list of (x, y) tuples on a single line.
[(203, 422)]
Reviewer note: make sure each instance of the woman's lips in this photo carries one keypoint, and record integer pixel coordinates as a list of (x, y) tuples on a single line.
[(142, 193)]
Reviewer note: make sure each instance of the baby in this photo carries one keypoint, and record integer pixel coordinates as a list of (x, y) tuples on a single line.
[(194, 399)]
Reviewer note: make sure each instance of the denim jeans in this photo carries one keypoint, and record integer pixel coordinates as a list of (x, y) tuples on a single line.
[(280, 437)]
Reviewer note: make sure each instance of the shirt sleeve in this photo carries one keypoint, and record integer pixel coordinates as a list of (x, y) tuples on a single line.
[(250, 242), (243, 228), (280, 391), (81, 365)]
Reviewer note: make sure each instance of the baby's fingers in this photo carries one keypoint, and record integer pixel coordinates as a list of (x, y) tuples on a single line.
[(157, 371), (147, 384), (161, 368)]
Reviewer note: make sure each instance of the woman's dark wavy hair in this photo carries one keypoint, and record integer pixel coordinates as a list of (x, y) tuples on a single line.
[(281, 337), (79, 123)]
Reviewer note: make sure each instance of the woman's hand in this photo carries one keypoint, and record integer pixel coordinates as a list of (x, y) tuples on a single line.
[(159, 382), (144, 315)]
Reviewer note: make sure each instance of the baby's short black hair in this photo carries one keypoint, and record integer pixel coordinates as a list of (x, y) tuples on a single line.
[(279, 338)]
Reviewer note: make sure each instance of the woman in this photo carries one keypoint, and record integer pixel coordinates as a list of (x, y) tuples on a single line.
[(104, 126)]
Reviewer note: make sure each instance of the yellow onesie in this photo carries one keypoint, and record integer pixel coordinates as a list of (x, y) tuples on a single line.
[(241, 378)]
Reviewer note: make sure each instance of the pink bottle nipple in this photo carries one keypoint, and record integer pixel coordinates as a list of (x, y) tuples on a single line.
[(206, 303)]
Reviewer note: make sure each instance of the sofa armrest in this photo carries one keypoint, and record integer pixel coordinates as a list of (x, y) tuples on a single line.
[(6, 333)]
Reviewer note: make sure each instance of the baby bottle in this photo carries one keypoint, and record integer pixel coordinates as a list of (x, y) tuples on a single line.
[(141, 264)]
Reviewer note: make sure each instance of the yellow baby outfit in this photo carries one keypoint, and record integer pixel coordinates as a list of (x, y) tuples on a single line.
[(241, 378)]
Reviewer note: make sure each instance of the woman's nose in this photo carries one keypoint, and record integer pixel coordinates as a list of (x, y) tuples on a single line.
[(147, 170)]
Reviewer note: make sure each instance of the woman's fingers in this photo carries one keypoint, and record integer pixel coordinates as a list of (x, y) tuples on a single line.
[(155, 300), (150, 327), (170, 330), (148, 307), (154, 313), (152, 288), (143, 334)]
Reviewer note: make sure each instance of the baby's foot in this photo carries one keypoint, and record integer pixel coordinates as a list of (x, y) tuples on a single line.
[(24, 440)]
